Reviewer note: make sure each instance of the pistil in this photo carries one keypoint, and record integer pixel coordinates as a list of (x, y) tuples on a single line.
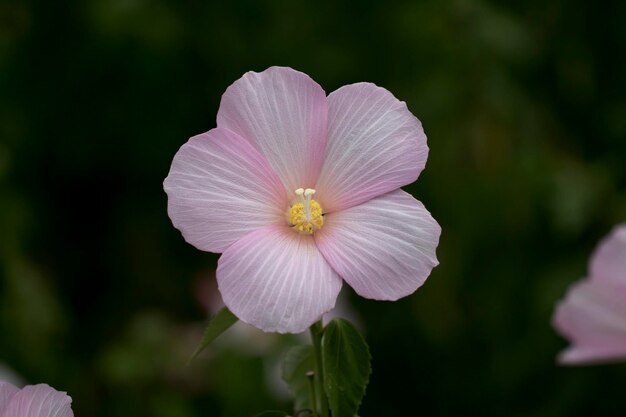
[(305, 216)]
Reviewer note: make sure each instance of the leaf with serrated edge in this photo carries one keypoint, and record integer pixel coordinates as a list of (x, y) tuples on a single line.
[(346, 367), (298, 361), (218, 325)]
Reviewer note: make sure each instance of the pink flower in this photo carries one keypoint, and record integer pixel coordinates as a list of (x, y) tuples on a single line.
[(33, 401), (593, 314), (300, 191)]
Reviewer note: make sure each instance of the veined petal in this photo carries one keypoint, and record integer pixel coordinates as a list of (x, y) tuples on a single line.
[(593, 317), (39, 401), (608, 262), (7, 391), (375, 145), (276, 279), (220, 188), (384, 248), (579, 355), (284, 114)]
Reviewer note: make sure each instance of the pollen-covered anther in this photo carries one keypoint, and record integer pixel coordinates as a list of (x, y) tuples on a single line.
[(305, 216)]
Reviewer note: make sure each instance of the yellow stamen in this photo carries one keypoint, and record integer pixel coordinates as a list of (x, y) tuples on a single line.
[(306, 215)]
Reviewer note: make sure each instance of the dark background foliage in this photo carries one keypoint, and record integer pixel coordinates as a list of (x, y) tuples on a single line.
[(524, 105)]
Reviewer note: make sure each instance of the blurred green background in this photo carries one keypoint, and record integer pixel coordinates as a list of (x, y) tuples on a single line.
[(524, 105)]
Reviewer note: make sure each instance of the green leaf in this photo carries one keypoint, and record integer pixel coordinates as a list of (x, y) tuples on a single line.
[(298, 361), (218, 325), (272, 414), (346, 367)]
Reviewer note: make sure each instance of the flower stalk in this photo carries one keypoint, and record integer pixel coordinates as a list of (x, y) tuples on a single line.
[(317, 330), (311, 377)]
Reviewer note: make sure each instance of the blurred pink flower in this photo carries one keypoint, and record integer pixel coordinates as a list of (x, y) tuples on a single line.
[(593, 314), (33, 401), (299, 191)]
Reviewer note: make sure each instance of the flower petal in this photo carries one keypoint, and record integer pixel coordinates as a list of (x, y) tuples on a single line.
[(7, 391), (375, 145), (593, 317), (220, 189), (284, 114), (40, 401), (384, 248), (608, 262), (276, 279)]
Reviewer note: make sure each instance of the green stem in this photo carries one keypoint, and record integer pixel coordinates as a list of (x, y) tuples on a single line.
[(316, 335), (311, 377)]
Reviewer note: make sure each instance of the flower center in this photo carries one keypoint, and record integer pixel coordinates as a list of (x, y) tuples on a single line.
[(305, 216)]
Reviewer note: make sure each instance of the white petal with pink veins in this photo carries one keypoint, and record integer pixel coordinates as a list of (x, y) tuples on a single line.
[(375, 145), (593, 317), (384, 248), (220, 188), (7, 391), (277, 280), (39, 401), (284, 113), (608, 262)]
